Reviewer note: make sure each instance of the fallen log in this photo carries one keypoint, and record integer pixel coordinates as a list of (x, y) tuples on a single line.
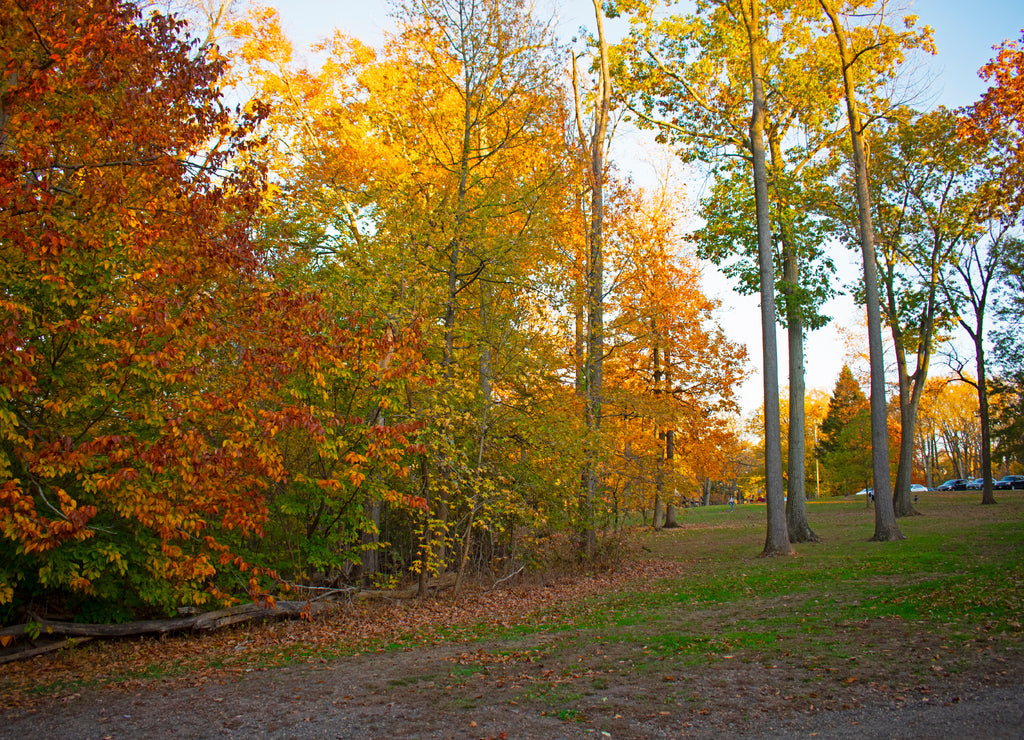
[(41, 650), (201, 622)]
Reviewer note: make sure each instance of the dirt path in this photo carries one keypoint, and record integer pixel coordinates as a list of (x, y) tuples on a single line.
[(846, 641), (560, 685)]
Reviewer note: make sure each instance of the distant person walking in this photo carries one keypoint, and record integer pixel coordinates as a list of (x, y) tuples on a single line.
[(732, 502)]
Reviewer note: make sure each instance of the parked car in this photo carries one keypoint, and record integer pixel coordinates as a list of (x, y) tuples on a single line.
[(918, 488), (953, 484), (1008, 482), (977, 484)]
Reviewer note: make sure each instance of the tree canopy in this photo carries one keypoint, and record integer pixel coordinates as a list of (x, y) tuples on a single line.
[(269, 326)]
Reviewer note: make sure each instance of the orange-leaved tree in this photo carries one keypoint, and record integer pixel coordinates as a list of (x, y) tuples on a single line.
[(425, 179), (671, 373), (148, 363), (999, 115)]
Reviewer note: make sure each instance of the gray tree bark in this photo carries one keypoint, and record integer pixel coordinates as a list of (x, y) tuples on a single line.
[(777, 536), (595, 284), (886, 527), (796, 509)]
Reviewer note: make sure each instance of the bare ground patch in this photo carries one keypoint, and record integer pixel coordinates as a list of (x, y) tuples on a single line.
[(658, 648)]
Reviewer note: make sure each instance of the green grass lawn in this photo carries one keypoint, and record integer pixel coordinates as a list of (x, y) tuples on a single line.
[(958, 575), (948, 599), (845, 620)]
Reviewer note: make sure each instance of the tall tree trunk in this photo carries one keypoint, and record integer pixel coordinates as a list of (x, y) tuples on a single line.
[(425, 537), (595, 285), (933, 448), (670, 456), (659, 485), (976, 291), (987, 495), (659, 474), (886, 527), (486, 375), (369, 540), (467, 541), (455, 245), (911, 388), (901, 503), (456, 242), (579, 348), (777, 536), (796, 510)]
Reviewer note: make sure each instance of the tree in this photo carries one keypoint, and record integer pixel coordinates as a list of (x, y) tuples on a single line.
[(683, 115), (800, 128), (481, 63), (443, 158), (843, 444), (373, 179), (1007, 354), (968, 289), (593, 382), (807, 281), (150, 366), (670, 374), (777, 537), (1000, 114), (950, 411), (929, 198), (851, 46), (926, 434), (85, 346), (996, 121), (317, 151), (817, 403)]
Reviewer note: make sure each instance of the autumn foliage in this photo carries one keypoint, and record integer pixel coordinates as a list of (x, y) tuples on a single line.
[(151, 364), (323, 338), (998, 117)]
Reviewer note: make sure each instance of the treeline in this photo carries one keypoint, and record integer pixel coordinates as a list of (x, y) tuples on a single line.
[(798, 109), (333, 336), (947, 438), (394, 315)]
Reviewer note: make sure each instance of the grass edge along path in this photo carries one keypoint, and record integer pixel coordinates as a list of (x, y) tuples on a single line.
[(703, 596)]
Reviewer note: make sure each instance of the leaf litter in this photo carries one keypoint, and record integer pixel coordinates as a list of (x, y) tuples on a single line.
[(350, 629)]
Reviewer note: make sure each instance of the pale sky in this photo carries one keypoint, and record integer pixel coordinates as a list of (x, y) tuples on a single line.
[(965, 32)]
